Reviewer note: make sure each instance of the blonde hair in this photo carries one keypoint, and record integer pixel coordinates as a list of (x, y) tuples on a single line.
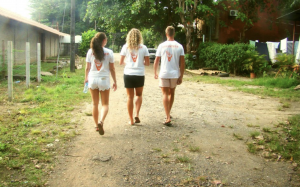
[(134, 39), (96, 45), (170, 31)]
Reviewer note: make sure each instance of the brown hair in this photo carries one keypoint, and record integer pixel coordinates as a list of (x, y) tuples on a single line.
[(96, 45), (134, 39), (170, 31)]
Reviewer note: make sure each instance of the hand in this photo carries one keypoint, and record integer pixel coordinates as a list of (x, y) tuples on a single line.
[(156, 76), (179, 81), (114, 87), (86, 80)]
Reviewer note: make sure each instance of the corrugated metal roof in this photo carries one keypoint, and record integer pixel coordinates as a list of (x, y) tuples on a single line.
[(6, 13)]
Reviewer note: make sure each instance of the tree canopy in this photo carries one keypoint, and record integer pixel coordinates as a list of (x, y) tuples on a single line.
[(57, 14)]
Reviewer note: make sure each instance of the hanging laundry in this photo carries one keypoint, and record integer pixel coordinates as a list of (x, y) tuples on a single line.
[(262, 49), (272, 51), (252, 43), (283, 45), (289, 48)]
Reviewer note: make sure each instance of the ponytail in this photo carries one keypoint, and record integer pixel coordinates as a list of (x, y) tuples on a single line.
[(96, 45)]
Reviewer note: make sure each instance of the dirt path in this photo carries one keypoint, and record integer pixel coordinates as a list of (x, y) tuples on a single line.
[(205, 116)]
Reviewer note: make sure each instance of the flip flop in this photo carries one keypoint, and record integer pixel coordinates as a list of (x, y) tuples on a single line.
[(169, 124), (137, 120), (129, 123), (100, 126)]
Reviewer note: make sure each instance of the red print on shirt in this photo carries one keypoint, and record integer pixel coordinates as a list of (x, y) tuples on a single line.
[(169, 56), (98, 64), (134, 57)]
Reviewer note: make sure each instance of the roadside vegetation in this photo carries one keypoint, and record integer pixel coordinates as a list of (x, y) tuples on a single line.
[(35, 125)]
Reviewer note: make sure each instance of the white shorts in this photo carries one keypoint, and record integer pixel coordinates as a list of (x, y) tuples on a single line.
[(100, 83)]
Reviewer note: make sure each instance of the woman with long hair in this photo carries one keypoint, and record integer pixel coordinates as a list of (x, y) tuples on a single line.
[(99, 64), (136, 57)]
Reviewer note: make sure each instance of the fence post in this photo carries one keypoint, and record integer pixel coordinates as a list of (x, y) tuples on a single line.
[(3, 59), (38, 62), (10, 64), (27, 64)]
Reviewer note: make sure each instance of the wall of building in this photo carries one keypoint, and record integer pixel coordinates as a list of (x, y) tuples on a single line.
[(266, 29), (20, 33)]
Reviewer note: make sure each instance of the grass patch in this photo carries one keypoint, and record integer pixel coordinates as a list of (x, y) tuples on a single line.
[(183, 159), (157, 149), (266, 87), (194, 148), (254, 134), (43, 118), (237, 136), (285, 141)]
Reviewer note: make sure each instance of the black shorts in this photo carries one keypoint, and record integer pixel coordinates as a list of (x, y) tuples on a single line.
[(134, 81)]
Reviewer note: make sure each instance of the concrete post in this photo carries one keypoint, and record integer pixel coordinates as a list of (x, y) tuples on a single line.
[(38, 62), (10, 64), (27, 64)]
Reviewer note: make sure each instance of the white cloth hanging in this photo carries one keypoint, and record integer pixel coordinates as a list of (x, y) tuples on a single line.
[(283, 45), (272, 51)]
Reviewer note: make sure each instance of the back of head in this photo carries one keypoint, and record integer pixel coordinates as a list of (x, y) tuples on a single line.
[(170, 31), (134, 39), (96, 45)]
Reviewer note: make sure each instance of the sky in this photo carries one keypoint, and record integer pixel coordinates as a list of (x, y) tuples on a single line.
[(17, 6)]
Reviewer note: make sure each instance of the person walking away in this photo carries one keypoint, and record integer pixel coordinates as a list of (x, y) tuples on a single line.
[(171, 54), (99, 64), (136, 57)]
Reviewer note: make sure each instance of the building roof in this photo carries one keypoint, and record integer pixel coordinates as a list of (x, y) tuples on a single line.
[(292, 16), (6, 13)]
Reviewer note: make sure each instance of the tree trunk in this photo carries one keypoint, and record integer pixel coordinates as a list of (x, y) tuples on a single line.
[(72, 33), (188, 37)]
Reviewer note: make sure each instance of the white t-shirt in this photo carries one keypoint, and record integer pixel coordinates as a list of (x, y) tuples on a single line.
[(134, 60), (100, 69), (170, 52)]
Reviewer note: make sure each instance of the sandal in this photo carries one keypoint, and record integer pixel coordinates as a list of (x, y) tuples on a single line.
[(100, 126), (167, 123), (137, 120)]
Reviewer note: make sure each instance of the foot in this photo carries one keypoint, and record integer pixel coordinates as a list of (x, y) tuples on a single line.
[(137, 120), (167, 123), (96, 128), (100, 126), (130, 123)]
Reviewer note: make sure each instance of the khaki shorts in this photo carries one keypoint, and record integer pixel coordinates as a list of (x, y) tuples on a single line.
[(171, 83)]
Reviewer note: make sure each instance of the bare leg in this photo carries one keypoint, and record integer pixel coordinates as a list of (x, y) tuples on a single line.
[(166, 102), (95, 98), (171, 98), (130, 95), (105, 104), (139, 100)]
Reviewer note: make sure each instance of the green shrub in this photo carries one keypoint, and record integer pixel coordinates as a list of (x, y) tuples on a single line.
[(85, 42), (285, 60), (255, 62), (190, 62), (226, 57)]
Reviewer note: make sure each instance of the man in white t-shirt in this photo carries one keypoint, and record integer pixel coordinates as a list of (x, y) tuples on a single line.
[(171, 54)]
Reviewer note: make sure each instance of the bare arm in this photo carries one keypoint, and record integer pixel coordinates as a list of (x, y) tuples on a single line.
[(87, 70), (155, 66), (122, 60), (113, 75), (182, 68), (147, 61)]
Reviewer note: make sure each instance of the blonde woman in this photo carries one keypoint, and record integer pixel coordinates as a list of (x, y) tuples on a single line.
[(135, 56), (99, 64)]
